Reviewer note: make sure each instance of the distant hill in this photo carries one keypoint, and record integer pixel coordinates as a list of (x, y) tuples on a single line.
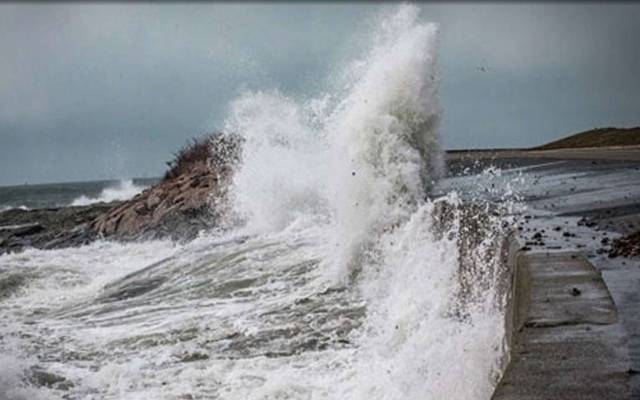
[(601, 137)]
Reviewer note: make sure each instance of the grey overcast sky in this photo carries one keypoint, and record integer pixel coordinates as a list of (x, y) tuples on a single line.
[(100, 90)]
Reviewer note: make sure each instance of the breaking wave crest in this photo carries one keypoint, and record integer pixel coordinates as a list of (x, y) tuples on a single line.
[(7, 208), (341, 274), (363, 160), (361, 166), (123, 190)]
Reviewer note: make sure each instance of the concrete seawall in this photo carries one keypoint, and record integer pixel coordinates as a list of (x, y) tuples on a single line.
[(562, 330)]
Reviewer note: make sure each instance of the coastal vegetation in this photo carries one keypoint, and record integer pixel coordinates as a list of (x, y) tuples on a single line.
[(599, 137)]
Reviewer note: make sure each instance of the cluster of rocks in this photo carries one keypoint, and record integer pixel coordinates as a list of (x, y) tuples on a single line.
[(176, 208), (627, 246), (48, 228), (189, 199), (41, 378), (623, 220)]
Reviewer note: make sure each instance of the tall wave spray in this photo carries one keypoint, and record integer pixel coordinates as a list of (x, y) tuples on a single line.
[(342, 275), (360, 165), (363, 160)]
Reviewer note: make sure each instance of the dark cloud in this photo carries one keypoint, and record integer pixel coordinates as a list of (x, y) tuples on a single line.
[(93, 91)]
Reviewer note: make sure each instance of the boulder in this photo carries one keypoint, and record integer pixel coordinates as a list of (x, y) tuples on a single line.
[(186, 201), (189, 198), (48, 228)]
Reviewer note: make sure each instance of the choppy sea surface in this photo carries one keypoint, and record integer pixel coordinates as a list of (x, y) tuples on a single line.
[(343, 271), (47, 195)]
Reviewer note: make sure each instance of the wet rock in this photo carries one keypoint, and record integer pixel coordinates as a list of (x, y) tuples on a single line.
[(188, 200), (27, 230), (627, 246), (191, 357), (587, 222), (131, 288), (42, 378), (48, 228), (303, 300), (10, 283)]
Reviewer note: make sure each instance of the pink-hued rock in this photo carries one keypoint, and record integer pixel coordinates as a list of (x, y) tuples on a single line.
[(184, 202)]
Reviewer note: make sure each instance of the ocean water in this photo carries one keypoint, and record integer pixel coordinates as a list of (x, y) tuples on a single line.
[(70, 194), (344, 268)]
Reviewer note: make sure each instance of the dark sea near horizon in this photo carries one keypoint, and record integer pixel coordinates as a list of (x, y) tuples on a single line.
[(48, 195), (338, 273)]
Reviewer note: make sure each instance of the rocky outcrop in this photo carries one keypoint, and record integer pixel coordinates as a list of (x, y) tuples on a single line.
[(186, 201), (48, 228), (178, 208), (190, 198)]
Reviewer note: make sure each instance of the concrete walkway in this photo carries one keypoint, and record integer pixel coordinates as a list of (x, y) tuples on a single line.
[(567, 341)]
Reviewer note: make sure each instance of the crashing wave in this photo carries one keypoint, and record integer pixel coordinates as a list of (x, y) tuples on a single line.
[(123, 190)]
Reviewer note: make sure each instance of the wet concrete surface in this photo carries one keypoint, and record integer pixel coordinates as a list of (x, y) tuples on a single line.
[(576, 329), (568, 346)]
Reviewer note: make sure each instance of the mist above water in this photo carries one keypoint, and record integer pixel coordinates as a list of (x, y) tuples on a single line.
[(339, 274), (359, 164), (122, 190), (362, 158)]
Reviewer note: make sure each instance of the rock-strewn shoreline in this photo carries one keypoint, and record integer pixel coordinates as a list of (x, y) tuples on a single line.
[(48, 228), (186, 201), (189, 198)]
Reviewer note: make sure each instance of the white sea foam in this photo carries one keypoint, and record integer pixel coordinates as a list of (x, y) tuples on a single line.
[(337, 282), (123, 190), (362, 166), (7, 208), (365, 160)]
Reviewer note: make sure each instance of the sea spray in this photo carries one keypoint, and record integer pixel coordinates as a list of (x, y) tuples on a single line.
[(425, 336), (341, 278), (284, 162), (385, 146), (363, 166), (123, 190), (365, 161)]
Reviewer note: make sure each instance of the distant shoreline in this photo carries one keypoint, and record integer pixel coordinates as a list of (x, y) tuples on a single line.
[(619, 153), (148, 181), (621, 144), (601, 143)]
